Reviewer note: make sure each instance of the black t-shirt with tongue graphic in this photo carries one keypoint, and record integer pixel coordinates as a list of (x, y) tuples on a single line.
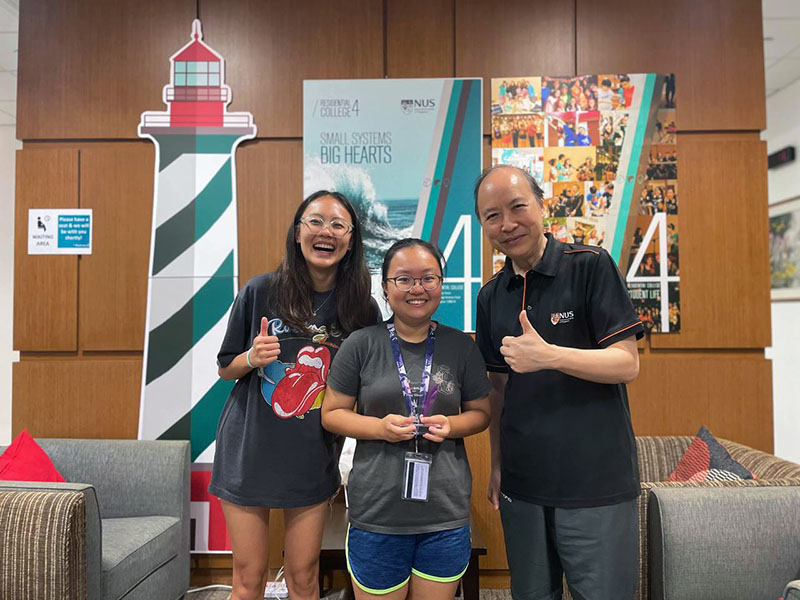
[(271, 449)]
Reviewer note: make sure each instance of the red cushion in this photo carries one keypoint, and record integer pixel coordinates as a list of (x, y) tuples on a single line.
[(24, 460), (707, 460)]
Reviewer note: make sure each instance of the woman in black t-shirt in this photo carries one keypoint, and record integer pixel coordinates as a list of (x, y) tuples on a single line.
[(271, 450)]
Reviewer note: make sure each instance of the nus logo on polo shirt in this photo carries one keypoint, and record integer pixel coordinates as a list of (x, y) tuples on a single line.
[(562, 317)]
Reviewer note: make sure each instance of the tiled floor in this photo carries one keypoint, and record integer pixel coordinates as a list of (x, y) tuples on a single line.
[(340, 595)]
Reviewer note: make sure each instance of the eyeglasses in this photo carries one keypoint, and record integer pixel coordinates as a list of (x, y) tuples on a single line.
[(337, 227), (404, 283)]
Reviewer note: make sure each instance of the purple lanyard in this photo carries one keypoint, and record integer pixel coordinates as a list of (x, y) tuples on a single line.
[(426, 372)]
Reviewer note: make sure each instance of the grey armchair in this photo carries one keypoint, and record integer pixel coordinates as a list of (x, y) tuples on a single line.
[(792, 591), (723, 543), (118, 528)]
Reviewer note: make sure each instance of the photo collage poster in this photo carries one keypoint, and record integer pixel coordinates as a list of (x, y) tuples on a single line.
[(603, 149)]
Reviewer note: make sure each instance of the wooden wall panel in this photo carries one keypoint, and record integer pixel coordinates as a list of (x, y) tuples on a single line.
[(730, 393), (419, 38), (270, 187), (486, 517), (714, 48), (117, 184), (45, 286), (88, 398), (724, 254), (490, 42), (88, 69), (271, 47)]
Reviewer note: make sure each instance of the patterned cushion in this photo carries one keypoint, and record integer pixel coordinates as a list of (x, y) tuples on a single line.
[(24, 460), (707, 460)]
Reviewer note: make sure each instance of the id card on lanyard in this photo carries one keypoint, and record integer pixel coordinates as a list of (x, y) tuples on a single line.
[(416, 469)]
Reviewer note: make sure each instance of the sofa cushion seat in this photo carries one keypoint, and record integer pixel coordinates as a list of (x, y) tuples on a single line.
[(135, 547)]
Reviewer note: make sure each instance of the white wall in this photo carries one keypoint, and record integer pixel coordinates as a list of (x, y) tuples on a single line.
[(783, 129), (8, 147)]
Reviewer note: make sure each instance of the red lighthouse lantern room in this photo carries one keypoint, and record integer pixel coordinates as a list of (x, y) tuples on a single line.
[(197, 96)]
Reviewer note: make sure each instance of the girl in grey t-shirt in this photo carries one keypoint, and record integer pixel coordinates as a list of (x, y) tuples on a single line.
[(410, 486)]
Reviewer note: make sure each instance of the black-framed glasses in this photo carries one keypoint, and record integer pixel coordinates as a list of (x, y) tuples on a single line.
[(337, 227), (404, 283)]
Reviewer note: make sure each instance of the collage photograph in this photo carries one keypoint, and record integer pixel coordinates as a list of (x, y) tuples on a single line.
[(666, 128), (659, 196), (576, 230), (568, 94), (615, 92), (518, 95), (518, 131), (569, 164), (612, 128), (530, 160), (573, 129)]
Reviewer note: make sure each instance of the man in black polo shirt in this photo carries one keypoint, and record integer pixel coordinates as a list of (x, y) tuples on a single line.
[(558, 333)]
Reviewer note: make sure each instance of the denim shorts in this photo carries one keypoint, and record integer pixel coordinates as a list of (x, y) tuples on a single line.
[(381, 563)]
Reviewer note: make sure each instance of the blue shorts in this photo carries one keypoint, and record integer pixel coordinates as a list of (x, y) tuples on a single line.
[(382, 563)]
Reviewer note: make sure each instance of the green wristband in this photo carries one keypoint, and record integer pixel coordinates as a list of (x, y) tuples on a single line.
[(247, 356)]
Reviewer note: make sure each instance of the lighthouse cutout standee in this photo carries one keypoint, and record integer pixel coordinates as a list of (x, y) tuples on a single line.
[(193, 253)]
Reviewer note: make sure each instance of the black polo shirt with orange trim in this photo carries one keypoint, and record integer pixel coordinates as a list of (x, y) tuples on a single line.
[(565, 442)]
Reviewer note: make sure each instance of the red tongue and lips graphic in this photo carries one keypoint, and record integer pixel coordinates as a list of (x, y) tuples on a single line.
[(295, 393)]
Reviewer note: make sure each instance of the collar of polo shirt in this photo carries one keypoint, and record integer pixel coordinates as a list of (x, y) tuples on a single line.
[(548, 265)]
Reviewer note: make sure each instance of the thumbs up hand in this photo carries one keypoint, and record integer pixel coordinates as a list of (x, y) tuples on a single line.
[(266, 348), (528, 353)]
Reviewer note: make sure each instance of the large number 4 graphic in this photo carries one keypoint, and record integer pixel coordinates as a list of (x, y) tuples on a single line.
[(658, 224), (464, 224)]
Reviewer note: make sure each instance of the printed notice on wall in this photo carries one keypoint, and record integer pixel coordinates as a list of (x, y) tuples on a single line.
[(60, 231)]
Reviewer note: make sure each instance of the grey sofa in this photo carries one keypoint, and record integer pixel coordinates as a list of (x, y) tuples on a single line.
[(723, 543), (119, 527), (658, 457)]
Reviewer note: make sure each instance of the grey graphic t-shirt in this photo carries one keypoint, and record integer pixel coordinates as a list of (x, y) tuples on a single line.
[(364, 367)]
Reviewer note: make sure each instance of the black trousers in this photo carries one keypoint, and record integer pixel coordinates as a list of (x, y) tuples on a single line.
[(596, 548)]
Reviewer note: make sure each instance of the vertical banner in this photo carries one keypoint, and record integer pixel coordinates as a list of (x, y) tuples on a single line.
[(406, 153), (193, 267), (603, 148)]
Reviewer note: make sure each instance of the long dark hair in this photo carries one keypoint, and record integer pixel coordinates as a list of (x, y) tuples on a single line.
[(293, 302)]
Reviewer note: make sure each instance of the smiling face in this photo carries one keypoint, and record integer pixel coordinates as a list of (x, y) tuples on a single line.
[(511, 216), (417, 305), (323, 250)]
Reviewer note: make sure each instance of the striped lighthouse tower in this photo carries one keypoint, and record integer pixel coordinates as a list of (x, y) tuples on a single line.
[(193, 254)]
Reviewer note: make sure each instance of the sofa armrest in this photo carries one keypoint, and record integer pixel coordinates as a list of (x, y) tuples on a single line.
[(44, 544), (92, 546), (732, 542), (792, 590), (133, 478)]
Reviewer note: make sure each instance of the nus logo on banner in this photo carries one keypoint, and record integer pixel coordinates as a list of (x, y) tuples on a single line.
[(410, 106)]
